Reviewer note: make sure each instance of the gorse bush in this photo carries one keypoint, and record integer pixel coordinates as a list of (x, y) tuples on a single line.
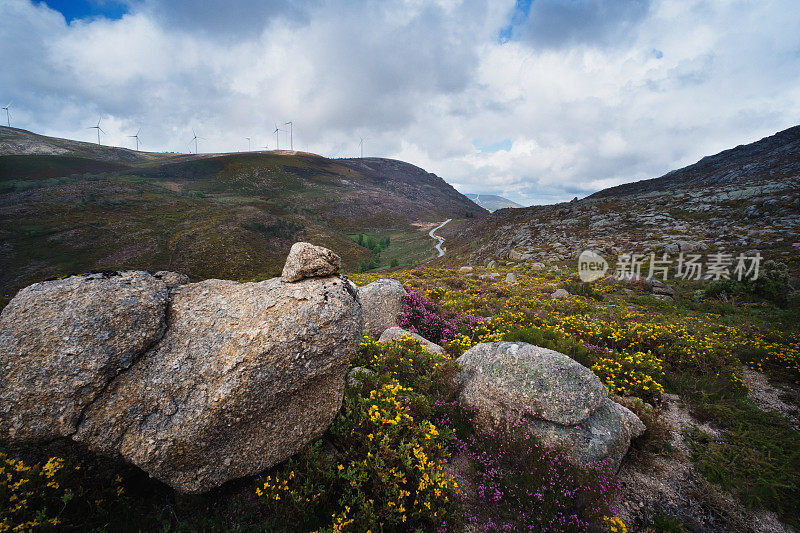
[(387, 470), (31, 496), (56, 494)]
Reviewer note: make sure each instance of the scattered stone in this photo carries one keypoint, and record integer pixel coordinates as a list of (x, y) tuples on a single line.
[(659, 287), (308, 261), (518, 256), (465, 269), (561, 402), (493, 276), (560, 294), (396, 332), (356, 374), (491, 264), (511, 277), (381, 302), (537, 266)]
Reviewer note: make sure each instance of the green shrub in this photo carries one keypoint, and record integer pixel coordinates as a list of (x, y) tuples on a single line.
[(551, 339)]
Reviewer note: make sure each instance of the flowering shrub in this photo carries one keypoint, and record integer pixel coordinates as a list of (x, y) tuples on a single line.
[(41, 496), (31, 496), (423, 317), (389, 473), (522, 485), (631, 374), (407, 361)]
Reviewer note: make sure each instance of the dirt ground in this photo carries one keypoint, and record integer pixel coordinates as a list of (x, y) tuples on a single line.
[(671, 485)]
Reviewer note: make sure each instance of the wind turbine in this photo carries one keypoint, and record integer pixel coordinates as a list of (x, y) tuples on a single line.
[(137, 138), (248, 143), (98, 128), (361, 147), (194, 140), (8, 117), (291, 134), (277, 140)]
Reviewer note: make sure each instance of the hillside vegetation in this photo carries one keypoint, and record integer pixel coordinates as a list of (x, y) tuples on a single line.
[(68, 208), (743, 200)]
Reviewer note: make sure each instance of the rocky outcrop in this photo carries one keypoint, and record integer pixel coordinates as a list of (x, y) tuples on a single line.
[(308, 261), (560, 401), (397, 332), (62, 341), (381, 301), (196, 385)]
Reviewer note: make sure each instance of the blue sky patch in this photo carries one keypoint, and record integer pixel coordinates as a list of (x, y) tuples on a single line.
[(520, 15), (83, 9), (489, 147)]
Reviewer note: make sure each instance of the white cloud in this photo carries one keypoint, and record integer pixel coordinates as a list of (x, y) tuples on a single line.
[(625, 91)]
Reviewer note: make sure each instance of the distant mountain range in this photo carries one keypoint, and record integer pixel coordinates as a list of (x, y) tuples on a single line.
[(68, 207), (491, 202)]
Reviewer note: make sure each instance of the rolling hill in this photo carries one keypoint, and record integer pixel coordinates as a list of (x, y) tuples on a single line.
[(745, 199), (68, 207)]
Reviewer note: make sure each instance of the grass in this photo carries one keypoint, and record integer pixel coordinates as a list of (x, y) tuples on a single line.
[(757, 457)]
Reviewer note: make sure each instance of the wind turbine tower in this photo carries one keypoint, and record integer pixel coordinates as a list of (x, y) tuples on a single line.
[(8, 116), (98, 128), (361, 147), (291, 135), (277, 139), (137, 138), (248, 143), (194, 140)]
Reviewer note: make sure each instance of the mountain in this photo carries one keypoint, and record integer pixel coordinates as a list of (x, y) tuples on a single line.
[(491, 202), (745, 199), (68, 207)]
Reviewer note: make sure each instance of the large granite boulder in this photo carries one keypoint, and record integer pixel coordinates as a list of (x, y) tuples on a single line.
[(381, 302), (62, 341), (236, 378), (562, 402)]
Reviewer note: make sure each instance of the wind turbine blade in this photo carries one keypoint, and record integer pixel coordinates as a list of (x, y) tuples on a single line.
[(101, 129)]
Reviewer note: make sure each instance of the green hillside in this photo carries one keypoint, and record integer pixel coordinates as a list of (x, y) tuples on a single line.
[(218, 215)]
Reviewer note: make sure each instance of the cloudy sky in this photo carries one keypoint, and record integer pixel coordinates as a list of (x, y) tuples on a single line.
[(538, 101)]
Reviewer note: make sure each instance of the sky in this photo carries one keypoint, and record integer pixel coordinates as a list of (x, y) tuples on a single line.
[(535, 100)]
